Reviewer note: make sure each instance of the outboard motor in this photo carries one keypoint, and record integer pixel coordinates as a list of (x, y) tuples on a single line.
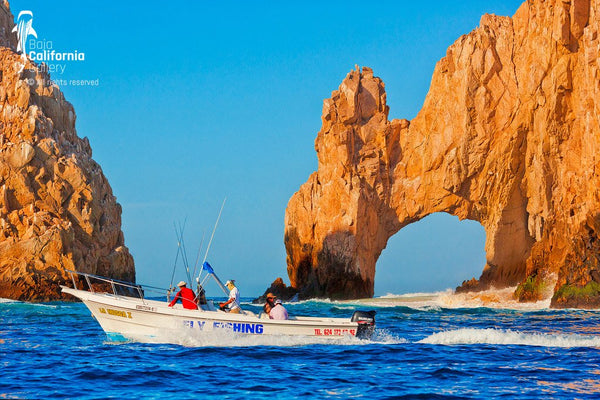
[(366, 323)]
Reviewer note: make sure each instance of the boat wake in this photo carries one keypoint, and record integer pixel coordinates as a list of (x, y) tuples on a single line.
[(231, 339), (464, 336), (509, 337)]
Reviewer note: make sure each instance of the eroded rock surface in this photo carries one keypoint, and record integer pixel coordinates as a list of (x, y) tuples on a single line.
[(508, 136), (279, 289), (57, 210)]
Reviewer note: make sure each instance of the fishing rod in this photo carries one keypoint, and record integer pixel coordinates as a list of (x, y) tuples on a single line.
[(214, 229), (198, 254), (176, 257), (184, 251), (205, 265)]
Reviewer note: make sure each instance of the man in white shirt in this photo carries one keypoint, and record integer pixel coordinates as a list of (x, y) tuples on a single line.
[(279, 311), (233, 304)]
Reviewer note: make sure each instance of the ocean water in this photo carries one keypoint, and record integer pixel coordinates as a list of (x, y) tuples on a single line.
[(427, 346)]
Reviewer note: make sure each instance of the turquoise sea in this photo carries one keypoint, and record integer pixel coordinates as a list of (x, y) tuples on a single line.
[(426, 346)]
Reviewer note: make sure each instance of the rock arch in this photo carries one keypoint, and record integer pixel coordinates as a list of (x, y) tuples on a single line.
[(508, 136)]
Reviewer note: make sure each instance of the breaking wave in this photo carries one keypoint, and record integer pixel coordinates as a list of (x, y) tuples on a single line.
[(3, 300), (492, 298)]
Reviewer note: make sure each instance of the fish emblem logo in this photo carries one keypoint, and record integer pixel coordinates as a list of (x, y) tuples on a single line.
[(24, 28)]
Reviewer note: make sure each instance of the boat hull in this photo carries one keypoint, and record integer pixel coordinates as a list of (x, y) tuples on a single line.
[(134, 318)]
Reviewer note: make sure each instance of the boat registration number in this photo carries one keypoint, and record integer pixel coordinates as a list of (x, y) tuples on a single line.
[(334, 332)]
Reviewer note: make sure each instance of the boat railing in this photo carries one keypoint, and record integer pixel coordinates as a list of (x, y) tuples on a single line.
[(101, 284)]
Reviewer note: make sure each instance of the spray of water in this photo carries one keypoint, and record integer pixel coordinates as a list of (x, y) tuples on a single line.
[(492, 298), (232, 339), (510, 337)]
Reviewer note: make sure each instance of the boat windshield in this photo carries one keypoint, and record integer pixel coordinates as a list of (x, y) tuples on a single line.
[(99, 284)]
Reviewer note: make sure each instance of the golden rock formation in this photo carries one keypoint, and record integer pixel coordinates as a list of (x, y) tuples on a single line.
[(57, 210), (509, 136)]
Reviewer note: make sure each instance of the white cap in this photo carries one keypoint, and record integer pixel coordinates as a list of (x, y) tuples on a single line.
[(182, 283), (278, 301), (231, 281)]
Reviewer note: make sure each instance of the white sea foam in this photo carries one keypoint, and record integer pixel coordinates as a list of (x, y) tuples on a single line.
[(231, 339), (383, 336), (492, 298), (3, 300), (417, 294), (510, 337), (28, 304)]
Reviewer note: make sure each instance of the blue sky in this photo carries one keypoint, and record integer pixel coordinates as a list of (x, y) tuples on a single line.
[(199, 101)]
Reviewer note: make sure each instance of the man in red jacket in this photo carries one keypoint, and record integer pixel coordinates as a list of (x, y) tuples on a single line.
[(187, 296)]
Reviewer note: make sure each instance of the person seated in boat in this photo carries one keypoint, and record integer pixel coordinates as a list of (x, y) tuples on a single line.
[(278, 311), (187, 296), (201, 296), (270, 303), (233, 304)]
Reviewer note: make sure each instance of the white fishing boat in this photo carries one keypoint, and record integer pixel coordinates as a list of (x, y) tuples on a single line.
[(124, 310)]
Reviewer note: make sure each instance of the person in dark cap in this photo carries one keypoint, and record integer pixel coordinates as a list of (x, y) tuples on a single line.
[(270, 303)]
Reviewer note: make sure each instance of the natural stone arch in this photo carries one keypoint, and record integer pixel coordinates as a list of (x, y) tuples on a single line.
[(505, 137), (370, 184)]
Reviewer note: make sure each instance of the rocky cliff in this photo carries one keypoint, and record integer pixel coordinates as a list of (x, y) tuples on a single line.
[(508, 135), (57, 210)]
